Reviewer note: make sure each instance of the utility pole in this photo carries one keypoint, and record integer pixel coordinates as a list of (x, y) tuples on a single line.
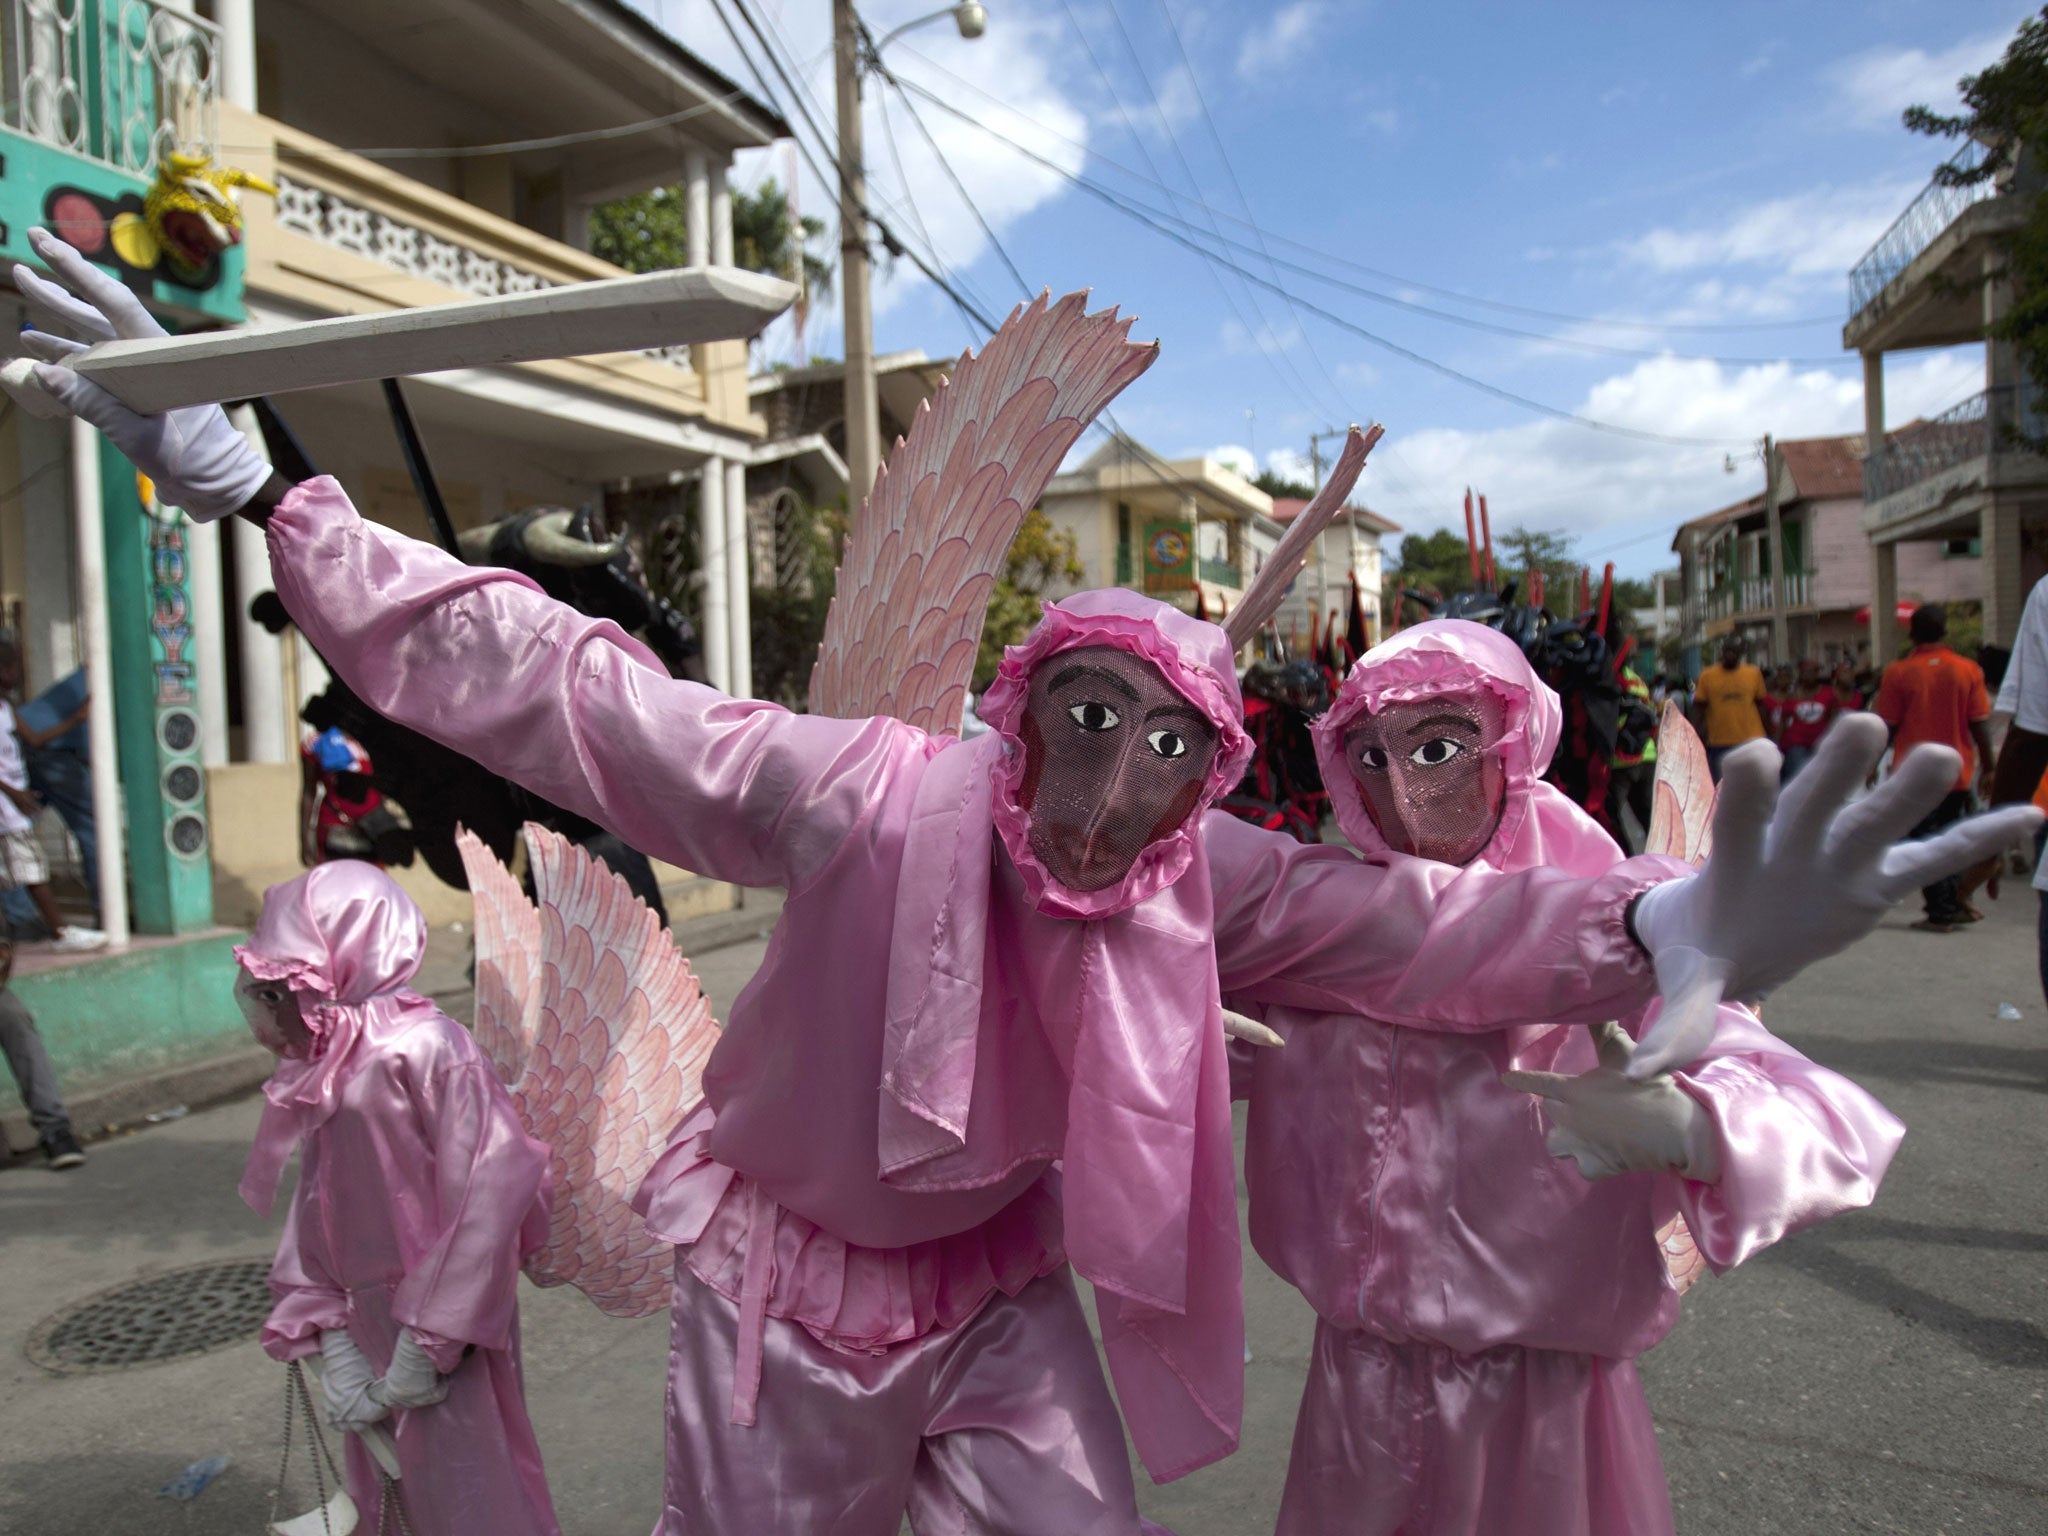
[(863, 411), (1774, 551)]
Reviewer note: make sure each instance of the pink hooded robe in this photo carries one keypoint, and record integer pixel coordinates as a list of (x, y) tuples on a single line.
[(933, 1023), (418, 1195), (1480, 1302)]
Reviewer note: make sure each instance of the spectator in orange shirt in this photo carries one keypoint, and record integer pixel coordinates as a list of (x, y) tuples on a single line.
[(1727, 704), (1932, 694)]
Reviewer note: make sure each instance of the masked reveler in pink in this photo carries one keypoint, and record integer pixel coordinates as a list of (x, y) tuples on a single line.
[(997, 956), (1480, 1303), (418, 1195)]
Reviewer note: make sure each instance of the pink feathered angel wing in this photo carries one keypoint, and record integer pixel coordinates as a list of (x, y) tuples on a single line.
[(507, 959), (614, 1057), (1682, 807), (1681, 827), (905, 622)]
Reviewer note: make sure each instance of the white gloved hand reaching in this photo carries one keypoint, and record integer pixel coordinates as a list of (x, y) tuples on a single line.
[(1781, 891), (199, 462), (346, 1380), (412, 1381), (1609, 1123)]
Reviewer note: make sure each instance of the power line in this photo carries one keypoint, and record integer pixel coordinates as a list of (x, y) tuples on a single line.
[(1341, 321), (1327, 257)]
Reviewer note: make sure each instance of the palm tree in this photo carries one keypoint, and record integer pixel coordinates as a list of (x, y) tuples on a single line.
[(649, 232)]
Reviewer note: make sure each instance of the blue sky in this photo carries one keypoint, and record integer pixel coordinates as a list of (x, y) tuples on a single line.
[(1626, 169)]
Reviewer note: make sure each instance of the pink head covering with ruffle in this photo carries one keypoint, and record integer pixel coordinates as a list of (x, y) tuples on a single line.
[(1195, 658), (346, 940)]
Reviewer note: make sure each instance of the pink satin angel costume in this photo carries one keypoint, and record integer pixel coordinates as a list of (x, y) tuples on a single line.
[(418, 1195), (870, 1231), (1479, 1303)]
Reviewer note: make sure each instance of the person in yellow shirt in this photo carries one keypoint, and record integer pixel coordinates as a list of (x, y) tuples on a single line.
[(1727, 704)]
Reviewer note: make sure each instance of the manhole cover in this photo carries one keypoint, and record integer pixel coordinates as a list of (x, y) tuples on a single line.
[(147, 1322)]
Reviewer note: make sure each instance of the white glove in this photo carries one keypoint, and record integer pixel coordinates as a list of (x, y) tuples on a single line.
[(1608, 1123), (412, 1381), (345, 1382), (199, 462), (1783, 891), (1251, 1031)]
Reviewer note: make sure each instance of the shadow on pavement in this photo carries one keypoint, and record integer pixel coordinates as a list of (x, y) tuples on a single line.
[(1921, 1061)]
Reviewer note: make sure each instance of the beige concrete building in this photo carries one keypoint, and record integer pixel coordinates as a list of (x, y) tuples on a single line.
[(1934, 280)]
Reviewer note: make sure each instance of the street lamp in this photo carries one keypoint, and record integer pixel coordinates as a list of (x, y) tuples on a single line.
[(863, 409)]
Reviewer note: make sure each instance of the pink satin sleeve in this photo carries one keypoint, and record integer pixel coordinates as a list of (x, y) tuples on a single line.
[(1798, 1143), (487, 1183), (1411, 942), (571, 707), (306, 1305)]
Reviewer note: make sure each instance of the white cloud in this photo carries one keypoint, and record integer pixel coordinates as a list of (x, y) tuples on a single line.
[(1821, 230), (1872, 88), (1622, 499), (1234, 457), (1280, 40), (1761, 60), (1269, 338)]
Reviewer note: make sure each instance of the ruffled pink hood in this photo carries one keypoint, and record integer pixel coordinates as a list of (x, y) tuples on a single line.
[(1539, 825), (346, 940), (1195, 657)]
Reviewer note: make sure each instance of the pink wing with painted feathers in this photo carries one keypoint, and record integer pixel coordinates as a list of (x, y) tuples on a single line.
[(620, 1033), (507, 960), (905, 622), (1682, 807), (1681, 827)]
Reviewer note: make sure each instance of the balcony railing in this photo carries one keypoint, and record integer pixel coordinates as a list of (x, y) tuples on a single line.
[(1220, 572), (1753, 593), (1913, 231), (123, 82), (1974, 429)]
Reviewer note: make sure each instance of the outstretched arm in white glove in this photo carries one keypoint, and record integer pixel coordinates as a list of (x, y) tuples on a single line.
[(346, 1382), (199, 462), (1608, 1122), (1783, 890), (412, 1381)]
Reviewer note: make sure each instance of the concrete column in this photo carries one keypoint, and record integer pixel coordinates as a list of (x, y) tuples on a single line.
[(711, 536), (266, 737), (738, 594), (209, 640), (697, 206), (2005, 591), (50, 603), (237, 22), (1884, 603), (1873, 410), (721, 217), (88, 522)]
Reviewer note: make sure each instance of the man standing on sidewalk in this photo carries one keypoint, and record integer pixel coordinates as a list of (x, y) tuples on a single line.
[(1728, 704), (1935, 695), (2023, 760), (30, 1064)]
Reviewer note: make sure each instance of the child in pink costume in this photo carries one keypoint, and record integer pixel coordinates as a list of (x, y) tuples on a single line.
[(1479, 1302), (418, 1195)]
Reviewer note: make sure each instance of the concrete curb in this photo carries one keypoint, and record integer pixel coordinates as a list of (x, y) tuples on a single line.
[(107, 1107)]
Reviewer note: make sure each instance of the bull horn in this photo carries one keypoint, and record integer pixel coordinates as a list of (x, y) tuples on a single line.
[(548, 540), (474, 544)]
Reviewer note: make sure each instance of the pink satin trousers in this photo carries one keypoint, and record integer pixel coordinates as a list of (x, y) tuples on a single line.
[(999, 1426), (1416, 1440)]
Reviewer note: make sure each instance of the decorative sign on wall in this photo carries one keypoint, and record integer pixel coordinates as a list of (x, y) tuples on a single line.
[(1169, 557)]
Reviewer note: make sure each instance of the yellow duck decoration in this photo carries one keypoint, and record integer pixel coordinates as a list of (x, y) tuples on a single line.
[(189, 216)]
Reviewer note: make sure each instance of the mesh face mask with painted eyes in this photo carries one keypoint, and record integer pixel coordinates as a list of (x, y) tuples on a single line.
[(273, 1014), (1114, 759), (1430, 773)]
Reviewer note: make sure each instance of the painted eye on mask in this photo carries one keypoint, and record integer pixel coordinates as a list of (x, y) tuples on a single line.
[(1374, 758), (1168, 743), (1435, 753), (1092, 716)]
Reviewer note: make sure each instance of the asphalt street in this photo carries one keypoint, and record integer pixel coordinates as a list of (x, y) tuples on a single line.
[(1885, 1373)]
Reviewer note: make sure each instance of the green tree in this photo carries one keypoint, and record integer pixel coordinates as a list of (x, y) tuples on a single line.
[(2005, 108), (788, 618), (1520, 550), (1438, 564), (1275, 484), (1039, 556), (649, 232)]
